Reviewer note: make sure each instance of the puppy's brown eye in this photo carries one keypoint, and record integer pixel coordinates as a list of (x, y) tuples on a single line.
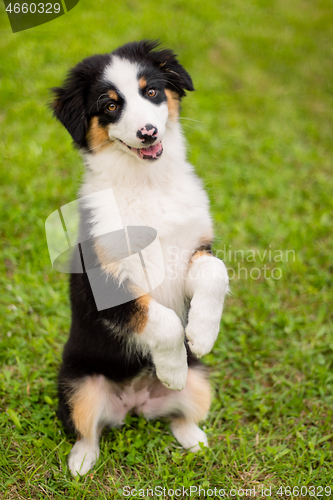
[(151, 92), (112, 106)]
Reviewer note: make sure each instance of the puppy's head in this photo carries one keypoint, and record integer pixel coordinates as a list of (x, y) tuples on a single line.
[(125, 97)]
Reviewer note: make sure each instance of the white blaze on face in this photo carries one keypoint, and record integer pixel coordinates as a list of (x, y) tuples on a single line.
[(138, 111)]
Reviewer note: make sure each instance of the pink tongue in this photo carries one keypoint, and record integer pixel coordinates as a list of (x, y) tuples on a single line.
[(152, 150)]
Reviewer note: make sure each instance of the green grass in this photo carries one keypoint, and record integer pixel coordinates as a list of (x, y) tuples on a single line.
[(260, 136)]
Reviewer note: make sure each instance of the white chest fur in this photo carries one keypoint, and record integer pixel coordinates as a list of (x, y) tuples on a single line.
[(166, 196)]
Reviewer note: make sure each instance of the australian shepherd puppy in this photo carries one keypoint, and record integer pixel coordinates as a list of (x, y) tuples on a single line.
[(140, 354)]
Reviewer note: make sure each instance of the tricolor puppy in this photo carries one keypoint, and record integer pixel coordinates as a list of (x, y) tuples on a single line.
[(122, 111)]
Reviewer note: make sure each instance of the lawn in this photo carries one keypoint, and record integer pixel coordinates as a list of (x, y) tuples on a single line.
[(259, 130)]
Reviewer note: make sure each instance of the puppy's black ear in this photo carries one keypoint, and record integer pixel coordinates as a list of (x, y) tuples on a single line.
[(69, 106), (70, 103), (176, 76)]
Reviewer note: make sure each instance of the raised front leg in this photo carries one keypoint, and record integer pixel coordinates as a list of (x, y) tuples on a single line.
[(153, 328), (206, 286), (163, 337)]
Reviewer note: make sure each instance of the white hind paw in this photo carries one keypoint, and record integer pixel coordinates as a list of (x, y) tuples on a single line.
[(189, 435), (82, 457)]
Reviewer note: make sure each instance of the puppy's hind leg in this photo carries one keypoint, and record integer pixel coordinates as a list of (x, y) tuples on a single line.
[(193, 405), (188, 434), (88, 403)]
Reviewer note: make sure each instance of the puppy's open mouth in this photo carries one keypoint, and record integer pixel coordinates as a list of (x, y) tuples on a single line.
[(149, 153)]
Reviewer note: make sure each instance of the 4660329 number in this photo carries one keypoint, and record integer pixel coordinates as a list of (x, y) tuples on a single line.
[(304, 491), (32, 8)]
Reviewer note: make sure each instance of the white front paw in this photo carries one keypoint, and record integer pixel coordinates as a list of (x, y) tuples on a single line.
[(82, 457), (207, 284), (202, 331), (198, 343), (172, 372), (164, 334)]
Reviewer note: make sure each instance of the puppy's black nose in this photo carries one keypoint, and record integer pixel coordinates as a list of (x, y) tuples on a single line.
[(147, 134)]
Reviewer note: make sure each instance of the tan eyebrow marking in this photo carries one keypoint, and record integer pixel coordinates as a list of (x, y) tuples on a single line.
[(113, 94), (142, 83)]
